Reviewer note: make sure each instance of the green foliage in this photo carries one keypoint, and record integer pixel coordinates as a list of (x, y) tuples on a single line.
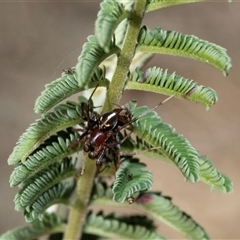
[(112, 227), (43, 181), (53, 151), (45, 171), (130, 178), (91, 56), (178, 44), (213, 177), (159, 81), (49, 223), (66, 86), (158, 4), (162, 209), (59, 193), (63, 116), (172, 145), (208, 174), (109, 17)]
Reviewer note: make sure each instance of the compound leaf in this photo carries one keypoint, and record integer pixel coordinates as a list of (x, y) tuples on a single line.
[(91, 56), (158, 4), (56, 148), (208, 174), (213, 177), (178, 44), (63, 116), (59, 193), (110, 227), (49, 223), (64, 87), (160, 81), (112, 13), (164, 210), (41, 182), (154, 205), (173, 146), (130, 178)]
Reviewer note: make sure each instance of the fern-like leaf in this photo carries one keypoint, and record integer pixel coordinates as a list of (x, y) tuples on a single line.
[(110, 227), (213, 177), (41, 182), (130, 178), (159, 81), (163, 209), (64, 87), (121, 29), (91, 56), (208, 174), (49, 223), (109, 17), (158, 4), (172, 145), (63, 116), (59, 193), (141, 147), (120, 32), (44, 156), (175, 43)]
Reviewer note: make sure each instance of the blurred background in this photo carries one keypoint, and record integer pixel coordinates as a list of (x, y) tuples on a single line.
[(40, 38)]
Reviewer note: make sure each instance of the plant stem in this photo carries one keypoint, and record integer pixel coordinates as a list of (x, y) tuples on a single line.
[(116, 87), (78, 213)]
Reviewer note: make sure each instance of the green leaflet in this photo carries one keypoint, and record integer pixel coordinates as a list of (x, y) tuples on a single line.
[(208, 174), (64, 87), (163, 209), (158, 4), (63, 116), (213, 178), (41, 182), (91, 56), (121, 29), (141, 147), (54, 151), (109, 17), (159, 81), (177, 44), (173, 146), (130, 178), (59, 193), (120, 32), (49, 223), (110, 227)]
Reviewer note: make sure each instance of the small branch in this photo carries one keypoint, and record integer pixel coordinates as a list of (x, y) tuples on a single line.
[(116, 87)]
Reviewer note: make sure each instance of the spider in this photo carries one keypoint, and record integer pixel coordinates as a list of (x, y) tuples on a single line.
[(101, 134)]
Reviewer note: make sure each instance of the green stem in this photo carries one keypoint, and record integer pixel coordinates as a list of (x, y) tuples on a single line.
[(116, 87), (77, 214)]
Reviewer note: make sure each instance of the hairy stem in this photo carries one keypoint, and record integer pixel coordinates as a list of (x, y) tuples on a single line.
[(78, 213), (116, 87)]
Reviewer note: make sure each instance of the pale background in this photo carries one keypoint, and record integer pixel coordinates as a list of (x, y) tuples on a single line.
[(37, 36)]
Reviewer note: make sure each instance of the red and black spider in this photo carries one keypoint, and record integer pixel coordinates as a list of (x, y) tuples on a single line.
[(101, 134)]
